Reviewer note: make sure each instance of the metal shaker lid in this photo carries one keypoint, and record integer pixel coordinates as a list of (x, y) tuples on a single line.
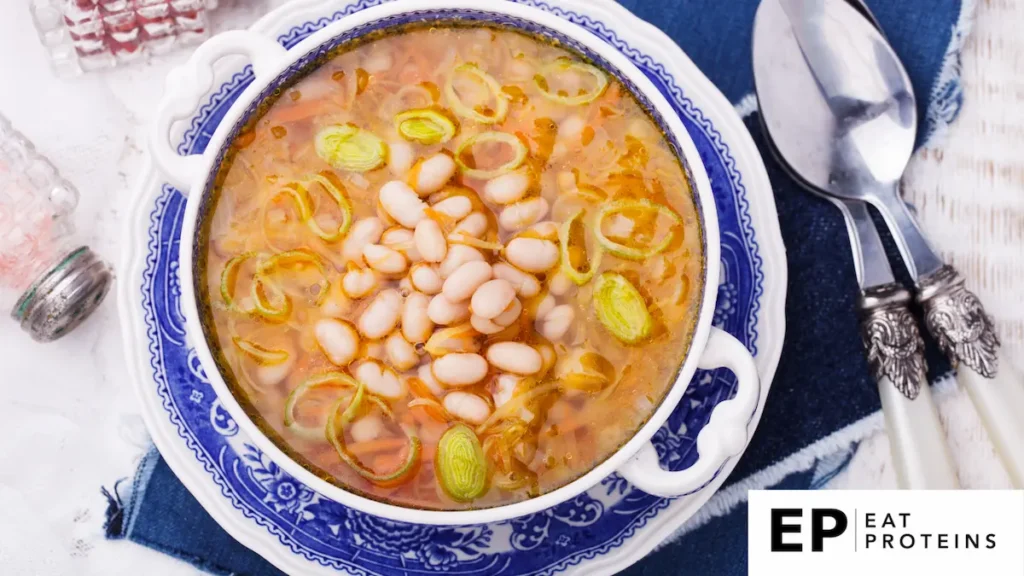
[(64, 296)]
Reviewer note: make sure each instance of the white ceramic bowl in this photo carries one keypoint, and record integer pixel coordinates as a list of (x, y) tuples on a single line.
[(724, 436)]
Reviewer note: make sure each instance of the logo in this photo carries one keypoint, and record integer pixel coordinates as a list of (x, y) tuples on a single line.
[(818, 530), (886, 532)]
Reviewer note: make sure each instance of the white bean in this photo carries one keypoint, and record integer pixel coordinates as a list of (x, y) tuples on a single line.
[(359, 283), (466, 406), (556, 322), (400, 157), (375, 350), (363, 232), (366, 428), (526, 285), (510, 314), (384, 259), (547, 304), (457, 207), (430, 242), (504, 388), (416, 323), (338, 339), (402, 204), (426, 375), (507, 188), (382, 315), (515, 357), (458, 254), (425, 279), (465, 280), (474, 225), (620, 226), (560, 284), (570, 130), (380, 380), (532, 254), (444, 312), (378, 61), (401, 240), (405, 286), (547, 230), (517, 216), (273, 374), (459, 369), (491, 298), (434, 173), (401, 354), (484, 325), (519, 70), (566, 181)]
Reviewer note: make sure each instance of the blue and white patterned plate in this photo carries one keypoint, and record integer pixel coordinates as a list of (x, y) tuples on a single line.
[(601, 531)]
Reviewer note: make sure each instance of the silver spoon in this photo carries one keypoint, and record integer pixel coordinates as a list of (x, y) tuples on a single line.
[(845, 120), (894, 345)]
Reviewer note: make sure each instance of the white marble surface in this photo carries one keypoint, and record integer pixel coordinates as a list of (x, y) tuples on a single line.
[(71, 418), (71, 421)]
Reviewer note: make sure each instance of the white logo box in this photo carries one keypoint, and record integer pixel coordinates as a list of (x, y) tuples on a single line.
[(910, 533)]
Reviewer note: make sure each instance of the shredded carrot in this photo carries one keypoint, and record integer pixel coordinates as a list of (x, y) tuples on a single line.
[(428, 452), (387, 462), (378, 445), (301, 111)]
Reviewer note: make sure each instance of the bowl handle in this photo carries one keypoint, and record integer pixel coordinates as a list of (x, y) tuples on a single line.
[(189, 83), (724, 436)]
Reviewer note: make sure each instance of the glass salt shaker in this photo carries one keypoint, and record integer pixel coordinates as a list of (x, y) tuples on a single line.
[(85, 35), (49, 282)]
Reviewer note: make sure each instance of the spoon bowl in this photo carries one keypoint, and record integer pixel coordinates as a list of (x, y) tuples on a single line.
[(845, 119)]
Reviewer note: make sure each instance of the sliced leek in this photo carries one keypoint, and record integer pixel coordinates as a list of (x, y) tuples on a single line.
[(629, 252), (337, 194), (269, 301), (460, 107), (621, 308), (335, 432), (351, 148), (300, 256), (229, 277), (426, 126), (298, 192), (568, 267), (519, 152), (460, 464), (327, 380), (261, 354), (563, 66)]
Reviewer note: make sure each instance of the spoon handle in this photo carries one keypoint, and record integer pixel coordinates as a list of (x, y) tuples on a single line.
[(957, 320), (896, 356)]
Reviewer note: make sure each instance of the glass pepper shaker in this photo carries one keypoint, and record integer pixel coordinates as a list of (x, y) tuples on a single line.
[(48, 281)]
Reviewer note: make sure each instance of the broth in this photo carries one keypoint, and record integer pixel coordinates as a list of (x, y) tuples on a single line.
[(452, 267)]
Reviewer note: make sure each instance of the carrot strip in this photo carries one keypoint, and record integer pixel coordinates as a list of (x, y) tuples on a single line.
[(301, 111), (387, 462), (378, 445)]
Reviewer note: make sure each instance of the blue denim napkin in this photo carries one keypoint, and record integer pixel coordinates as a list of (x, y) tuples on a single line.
[(822, 385)]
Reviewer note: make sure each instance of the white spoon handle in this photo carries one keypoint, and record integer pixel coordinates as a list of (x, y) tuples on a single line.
[(1000, 403), (895, 353), (964, 331), (917, 440)]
